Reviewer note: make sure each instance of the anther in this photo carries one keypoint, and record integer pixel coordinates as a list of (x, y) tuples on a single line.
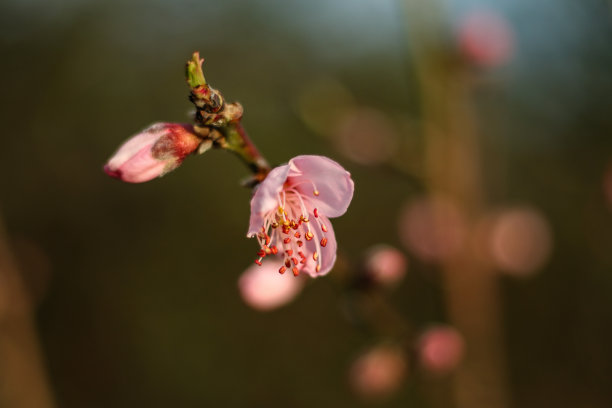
[(287, 240), (261, 253), (282, 270), (295, 271), (258, 262), (316, 193), (300, 243), (294, 260), (309, 235), (267, 250), (287, 263), (275, 224), (301, 254), (323, 242), (316, 213), (298, 235), (303, 219), (289, 252), (303, 261), (315, 256), (323, 227), (268, 239), (318, 268), (274, 249)]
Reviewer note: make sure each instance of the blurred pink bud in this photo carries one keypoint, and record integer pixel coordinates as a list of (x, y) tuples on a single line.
[(263, 288), (290, 210), (153, 152), (520, 241), (433, 228), (441, 349), (485, 38), (379, 372), (386, 265)]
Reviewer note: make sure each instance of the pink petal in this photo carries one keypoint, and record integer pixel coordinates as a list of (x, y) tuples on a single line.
[(140, 168), (265, 198), (263, 288), (333, 183), (152, 152), (327, 254)]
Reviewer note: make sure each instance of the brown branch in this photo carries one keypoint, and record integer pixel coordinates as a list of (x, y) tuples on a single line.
[(23, 380)]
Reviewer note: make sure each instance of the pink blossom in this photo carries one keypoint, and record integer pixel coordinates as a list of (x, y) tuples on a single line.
[(486, 38), (152, 153), (264, 290), (290, 210), (441, 349), (378, 372), (386, 265)]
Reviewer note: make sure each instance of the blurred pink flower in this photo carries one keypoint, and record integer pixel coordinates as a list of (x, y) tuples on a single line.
[(485, 38), (433, 228), (378, 372), (441, 349), (262, 289), (152, 153), (386, 265), (289, 213), (520, 241)]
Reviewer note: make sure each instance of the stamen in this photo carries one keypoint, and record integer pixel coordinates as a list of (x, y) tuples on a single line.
[(323, 242)]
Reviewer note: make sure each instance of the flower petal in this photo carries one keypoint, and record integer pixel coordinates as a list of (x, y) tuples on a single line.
[(328, 252), (333, 183), (265, 198), (263, 288)]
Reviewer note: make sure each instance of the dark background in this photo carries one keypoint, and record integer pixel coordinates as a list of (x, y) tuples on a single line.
[(136, 284)]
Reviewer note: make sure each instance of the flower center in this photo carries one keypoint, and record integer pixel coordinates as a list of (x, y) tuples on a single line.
[(287, 228)]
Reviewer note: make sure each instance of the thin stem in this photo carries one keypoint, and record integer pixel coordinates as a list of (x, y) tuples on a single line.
[(220, 122)]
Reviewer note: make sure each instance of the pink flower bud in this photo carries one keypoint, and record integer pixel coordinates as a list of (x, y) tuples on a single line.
[(386, 265), (263, 288), (379, 372), (441, 349), (153, 152)]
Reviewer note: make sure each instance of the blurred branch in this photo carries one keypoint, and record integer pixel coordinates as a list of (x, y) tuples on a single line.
[(23, 381), (453, 170)]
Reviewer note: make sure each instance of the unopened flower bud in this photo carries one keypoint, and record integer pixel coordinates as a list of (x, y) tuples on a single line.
[(153, 152)]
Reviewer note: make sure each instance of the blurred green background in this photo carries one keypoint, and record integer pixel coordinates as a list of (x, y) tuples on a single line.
[(136, 284)]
